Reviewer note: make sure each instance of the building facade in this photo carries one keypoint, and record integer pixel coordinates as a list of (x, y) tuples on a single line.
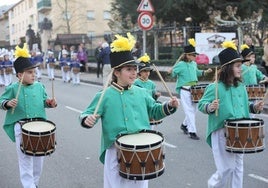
[(49, 18)]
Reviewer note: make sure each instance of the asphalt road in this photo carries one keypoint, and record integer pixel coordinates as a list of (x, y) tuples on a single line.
[(75, 163)]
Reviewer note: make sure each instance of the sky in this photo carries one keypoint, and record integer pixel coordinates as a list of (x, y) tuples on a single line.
[(8, 2)]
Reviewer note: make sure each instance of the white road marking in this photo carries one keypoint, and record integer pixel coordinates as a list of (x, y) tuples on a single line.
[(169, 145), (258, 177), (73, 109)]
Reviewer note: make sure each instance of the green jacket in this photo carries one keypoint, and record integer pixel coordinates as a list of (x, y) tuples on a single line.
[(187, 73), (251, 75), (234, 104), (148, 84), (124, 112), (31, 104)]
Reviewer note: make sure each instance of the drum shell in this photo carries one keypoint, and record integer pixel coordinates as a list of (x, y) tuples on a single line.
[(66, 68), (149, 155), (197, 92), (38, 143), (256, 92), (9, 70), (51, 65), (76, 70), (246, 137)]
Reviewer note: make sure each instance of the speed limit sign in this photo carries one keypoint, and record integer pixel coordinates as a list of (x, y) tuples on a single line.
[(145, 21)]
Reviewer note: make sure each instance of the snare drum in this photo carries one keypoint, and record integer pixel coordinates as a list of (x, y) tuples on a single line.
[(244, 135), (76, 70), (38, 137), (51, 65), (8, 70), (256, 92), (197, 92), (66, 68), (141, 155)]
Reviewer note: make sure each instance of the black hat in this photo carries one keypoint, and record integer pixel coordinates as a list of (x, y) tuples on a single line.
[(190, 49), (121, 51), (119, 59), (145, 63), (245, 51), (230, 54), (22, 61)]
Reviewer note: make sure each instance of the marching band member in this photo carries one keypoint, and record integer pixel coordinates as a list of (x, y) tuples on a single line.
[(8, 66), (187, 74), (2, 70), (124, 108), (50, 61), (65, 66), (251, 75), (143, 81), (19, 106), (75, 69), (38, 59), (226, 99)]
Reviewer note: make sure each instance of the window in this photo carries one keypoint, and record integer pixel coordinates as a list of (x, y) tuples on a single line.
[(66, 15), (91, 15), (106, 15)]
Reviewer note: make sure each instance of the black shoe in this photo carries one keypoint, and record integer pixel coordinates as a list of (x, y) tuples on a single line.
[(184, 129), (194, 136)]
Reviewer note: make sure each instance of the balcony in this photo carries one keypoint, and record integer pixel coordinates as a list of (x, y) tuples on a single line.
[(44, 6)]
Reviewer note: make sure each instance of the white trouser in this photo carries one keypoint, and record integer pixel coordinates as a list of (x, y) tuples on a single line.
[(229, 165), (105, 72), (8, 79), (189, 109), (112, 179), (2, 80), (65, 75), (76, 78), (50, 72), (38, 72), (30, 167)]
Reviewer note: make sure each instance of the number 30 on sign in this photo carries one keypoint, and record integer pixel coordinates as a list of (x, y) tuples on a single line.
[(145, 21)]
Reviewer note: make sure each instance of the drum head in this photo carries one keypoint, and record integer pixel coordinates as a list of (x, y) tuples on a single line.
[(244, 122), (140, 140), (38, 127)]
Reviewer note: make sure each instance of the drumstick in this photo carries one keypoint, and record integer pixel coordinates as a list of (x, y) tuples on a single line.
[(216, 88), (161, 78), (103, 91), (53, 96), (18, 92), (262, 81)]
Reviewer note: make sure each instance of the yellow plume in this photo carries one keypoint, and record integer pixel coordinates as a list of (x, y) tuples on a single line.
[(244, 46), (22, 52), (192, 42), (122, 43), (145, 58), (229, 44)]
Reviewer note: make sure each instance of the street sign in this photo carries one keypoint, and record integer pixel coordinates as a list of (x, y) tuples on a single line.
[(145, 21), (145, 6)]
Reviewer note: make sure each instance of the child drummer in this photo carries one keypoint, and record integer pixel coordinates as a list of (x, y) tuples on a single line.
[(24, 100), (124, 108), (143, 81), (251, 75), (187, 73), (226, 99)]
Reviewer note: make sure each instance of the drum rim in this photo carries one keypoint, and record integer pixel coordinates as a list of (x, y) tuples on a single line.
[(140, 146), (37, 119), (228, 123), (143, 176), (199, 85)]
